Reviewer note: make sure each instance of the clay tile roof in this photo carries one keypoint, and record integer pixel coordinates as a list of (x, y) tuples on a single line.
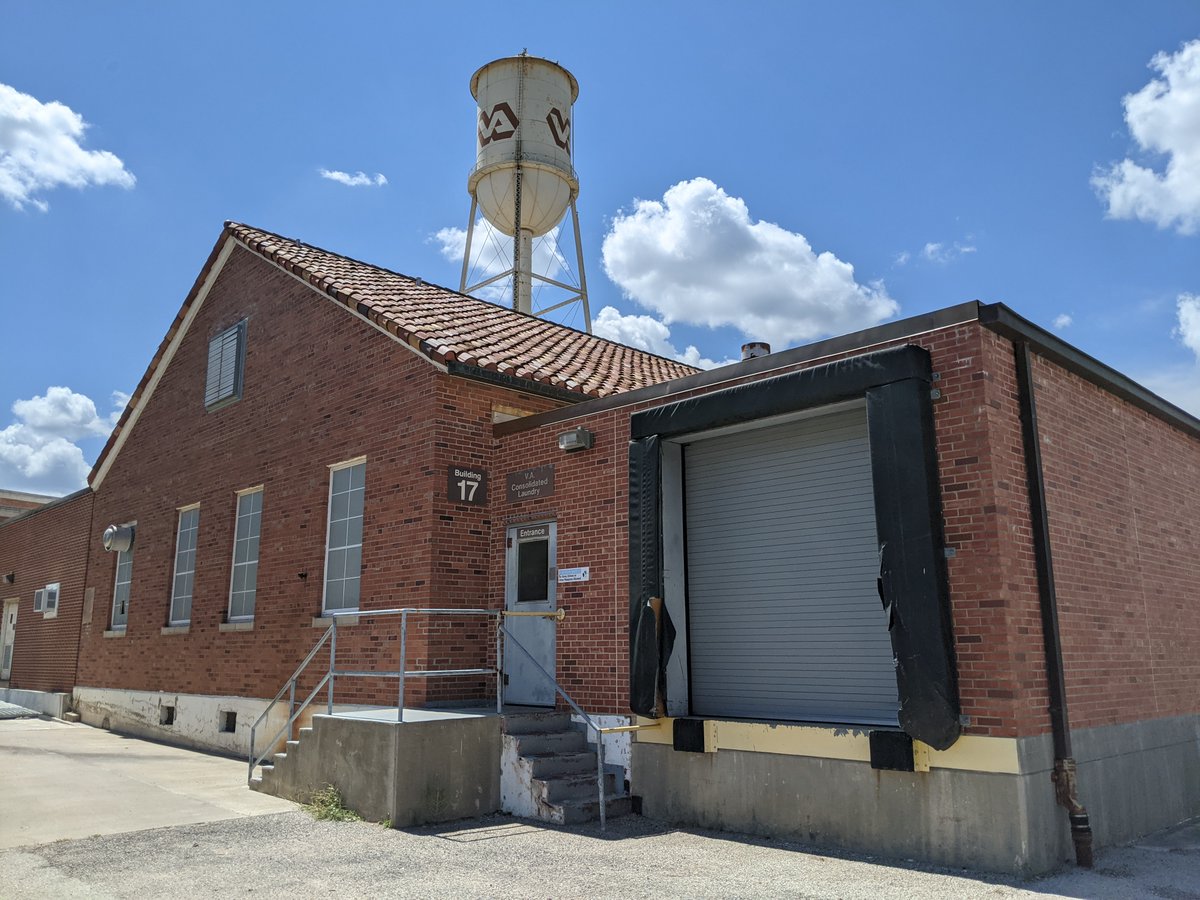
[(448, 326)]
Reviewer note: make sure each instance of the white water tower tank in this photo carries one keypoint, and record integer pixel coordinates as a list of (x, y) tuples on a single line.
[(524, 125)]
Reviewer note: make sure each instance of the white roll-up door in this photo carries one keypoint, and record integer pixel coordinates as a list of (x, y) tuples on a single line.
[(784, 619)]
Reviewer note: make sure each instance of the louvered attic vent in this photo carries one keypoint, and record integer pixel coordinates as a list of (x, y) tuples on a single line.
[(226, 353)]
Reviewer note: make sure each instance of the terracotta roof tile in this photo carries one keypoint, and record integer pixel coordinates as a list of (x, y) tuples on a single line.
[(448, 326)]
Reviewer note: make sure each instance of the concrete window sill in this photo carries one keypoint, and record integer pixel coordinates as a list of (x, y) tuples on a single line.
[(116, 632), (326, 621), (176, 629), (237, 626)]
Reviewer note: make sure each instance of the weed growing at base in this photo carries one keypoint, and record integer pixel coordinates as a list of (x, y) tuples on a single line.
[(325, 804)]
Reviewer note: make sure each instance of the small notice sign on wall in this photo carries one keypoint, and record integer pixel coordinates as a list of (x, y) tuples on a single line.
[(575, 575), (466, 485), (531, 484)]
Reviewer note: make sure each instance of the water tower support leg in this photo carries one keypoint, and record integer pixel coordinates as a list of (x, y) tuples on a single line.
[(462, 284), (583, 297), (523, 274)]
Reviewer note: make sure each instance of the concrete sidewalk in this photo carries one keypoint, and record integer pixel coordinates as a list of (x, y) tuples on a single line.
[(59, 780)]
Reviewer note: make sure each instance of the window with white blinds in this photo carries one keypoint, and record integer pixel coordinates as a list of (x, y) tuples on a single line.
[(185, 566), (343, 554), (244, 583), (226, 352)]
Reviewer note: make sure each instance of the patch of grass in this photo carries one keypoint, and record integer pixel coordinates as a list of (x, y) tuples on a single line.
[(325, 804)]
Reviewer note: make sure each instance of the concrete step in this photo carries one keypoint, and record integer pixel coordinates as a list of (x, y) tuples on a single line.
[(550, 742), (547, 765), (291, 744), (279, 757), (572, 812), (528, 723), (304, 732), (574, 787)]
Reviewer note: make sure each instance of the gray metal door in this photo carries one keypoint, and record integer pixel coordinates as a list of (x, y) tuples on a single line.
[(530, 577), (8, 636), (784, 619)]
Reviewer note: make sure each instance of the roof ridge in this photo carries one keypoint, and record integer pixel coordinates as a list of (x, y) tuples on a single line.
[(232, 225)]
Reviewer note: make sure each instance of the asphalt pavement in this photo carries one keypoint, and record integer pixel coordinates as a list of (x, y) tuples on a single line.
[(237, 851)]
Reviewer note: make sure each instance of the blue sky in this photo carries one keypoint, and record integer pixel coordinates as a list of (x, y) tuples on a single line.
[(778, 171)]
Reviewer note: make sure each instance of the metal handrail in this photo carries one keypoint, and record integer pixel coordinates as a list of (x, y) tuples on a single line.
[(503, 635), (328, 680), (588, 720)]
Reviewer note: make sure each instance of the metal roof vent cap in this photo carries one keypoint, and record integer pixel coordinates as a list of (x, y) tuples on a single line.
[(755, 349)]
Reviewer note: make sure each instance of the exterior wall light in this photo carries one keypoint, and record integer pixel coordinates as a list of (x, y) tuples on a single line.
[(576, 439)]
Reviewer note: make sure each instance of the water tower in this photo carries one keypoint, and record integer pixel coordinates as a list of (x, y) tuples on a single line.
[(523, 181)]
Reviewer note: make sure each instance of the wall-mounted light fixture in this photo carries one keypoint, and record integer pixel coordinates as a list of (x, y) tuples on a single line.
[(576, 439), (10, 577)]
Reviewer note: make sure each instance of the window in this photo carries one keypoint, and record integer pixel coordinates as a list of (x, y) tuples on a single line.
[(45, 600), (120, 610), (50, 600), (226, 354), (185, 565), (343, 554), (245, 555)]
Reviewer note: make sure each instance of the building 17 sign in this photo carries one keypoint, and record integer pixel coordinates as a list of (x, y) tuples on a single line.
[(466, 485)]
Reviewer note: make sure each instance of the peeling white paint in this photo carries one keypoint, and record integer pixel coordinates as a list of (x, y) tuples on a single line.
[(198, 717)]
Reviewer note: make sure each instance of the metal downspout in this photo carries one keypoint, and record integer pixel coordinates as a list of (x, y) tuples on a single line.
[(1066, 788)]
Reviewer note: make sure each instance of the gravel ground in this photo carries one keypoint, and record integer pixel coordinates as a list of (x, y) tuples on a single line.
[(289, 854)]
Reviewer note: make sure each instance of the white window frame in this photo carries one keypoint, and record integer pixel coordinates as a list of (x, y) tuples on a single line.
[(122, 554), (173, 619), (237, 517), (217, 342), (334, 468), (50, 595)]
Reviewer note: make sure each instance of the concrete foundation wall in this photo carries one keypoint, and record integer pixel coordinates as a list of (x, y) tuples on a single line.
[(45, 702), (1133, 778), (198, 717), (410, 773)]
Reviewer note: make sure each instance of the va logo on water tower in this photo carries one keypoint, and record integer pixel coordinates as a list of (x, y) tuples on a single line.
[(497, 125), (560, 129)]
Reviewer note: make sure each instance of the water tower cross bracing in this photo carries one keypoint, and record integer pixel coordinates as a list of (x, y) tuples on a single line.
[(523, 181)]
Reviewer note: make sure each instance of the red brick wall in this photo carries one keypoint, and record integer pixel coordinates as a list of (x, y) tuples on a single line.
[(321, 386), (41, 548), (992, 580), (1123, 499)]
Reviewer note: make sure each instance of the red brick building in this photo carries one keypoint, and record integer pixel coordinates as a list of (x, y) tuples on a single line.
[(872, 591)]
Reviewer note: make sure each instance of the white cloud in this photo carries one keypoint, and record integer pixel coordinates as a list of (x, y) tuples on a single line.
[(942, 254), (1163, 118), (1063, 320), (648, 333), (1180, 385), (39, 452), (40, 150), (358, 179), (903, 257), (1188, 306), (492, 253), (696, 256)]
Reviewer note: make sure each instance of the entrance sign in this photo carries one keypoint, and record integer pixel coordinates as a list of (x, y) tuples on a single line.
[(466, 485)]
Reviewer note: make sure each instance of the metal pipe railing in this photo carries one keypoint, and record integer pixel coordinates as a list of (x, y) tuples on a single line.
[(331, 674), (402, 674)]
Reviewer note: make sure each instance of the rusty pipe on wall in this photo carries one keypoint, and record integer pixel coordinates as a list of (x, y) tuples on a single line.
[(1066, 786)]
